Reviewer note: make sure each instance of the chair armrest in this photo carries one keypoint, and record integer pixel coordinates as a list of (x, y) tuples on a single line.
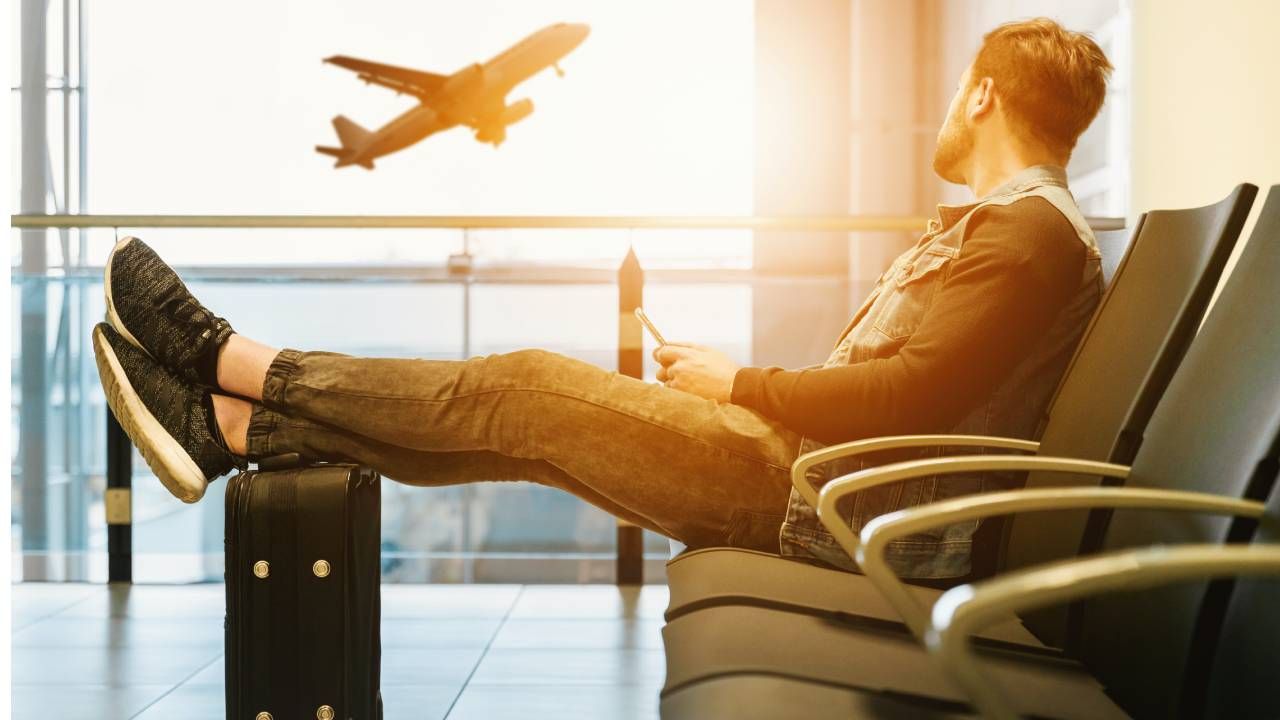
[(802, 464), (967, 609), (883, 530), (846, 485)]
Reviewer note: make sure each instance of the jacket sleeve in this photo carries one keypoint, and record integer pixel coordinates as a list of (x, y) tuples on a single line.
[(1015, 272)]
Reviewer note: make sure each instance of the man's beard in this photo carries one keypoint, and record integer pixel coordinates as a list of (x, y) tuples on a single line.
[(955, 144)]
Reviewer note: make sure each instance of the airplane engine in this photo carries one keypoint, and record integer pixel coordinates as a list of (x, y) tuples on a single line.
[(495, 130), (517, 111)]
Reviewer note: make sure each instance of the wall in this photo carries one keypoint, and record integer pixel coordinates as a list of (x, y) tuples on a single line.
[(1206, 100)]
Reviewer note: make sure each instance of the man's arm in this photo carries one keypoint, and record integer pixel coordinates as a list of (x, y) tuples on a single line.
[(1015, 273)]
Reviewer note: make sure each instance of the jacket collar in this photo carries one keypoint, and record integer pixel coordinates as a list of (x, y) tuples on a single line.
[(1026, 179)]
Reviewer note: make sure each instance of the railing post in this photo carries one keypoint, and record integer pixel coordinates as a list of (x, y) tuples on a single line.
[(119, 502), (630, 560), (33, 411)]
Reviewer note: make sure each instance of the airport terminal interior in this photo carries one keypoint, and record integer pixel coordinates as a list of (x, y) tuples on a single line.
[(454, 179)]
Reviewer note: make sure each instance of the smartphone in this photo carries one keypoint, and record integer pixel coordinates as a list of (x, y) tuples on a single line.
[(644, 320)]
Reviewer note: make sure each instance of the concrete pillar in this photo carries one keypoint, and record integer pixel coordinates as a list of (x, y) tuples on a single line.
[(896, 109), (801, 167)]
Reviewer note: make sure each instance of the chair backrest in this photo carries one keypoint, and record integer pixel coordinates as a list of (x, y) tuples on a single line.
[(1216, 430), (1129, 351), (1113, 245), (1244, 676)]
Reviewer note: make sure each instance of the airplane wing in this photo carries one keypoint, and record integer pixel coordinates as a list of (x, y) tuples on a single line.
[(414, 82)]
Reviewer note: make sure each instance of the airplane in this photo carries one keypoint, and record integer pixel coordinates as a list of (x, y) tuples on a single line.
[(474, 96)]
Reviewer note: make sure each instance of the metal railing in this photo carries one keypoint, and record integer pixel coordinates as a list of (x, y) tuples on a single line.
[(826, 223), (630, 278)]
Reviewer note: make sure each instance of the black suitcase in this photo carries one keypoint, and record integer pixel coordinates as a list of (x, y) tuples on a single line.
[(303, 573)]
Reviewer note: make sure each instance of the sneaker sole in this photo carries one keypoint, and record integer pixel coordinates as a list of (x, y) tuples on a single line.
[(112, 316), (176, 469)]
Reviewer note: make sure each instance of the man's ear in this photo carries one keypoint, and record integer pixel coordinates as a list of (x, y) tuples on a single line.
[(982, 100)]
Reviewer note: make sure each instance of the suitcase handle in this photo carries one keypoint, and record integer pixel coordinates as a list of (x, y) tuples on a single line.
[(286, 461), (292, 461)]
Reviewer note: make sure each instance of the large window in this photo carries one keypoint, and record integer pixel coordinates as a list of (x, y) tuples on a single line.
[(215, 109)]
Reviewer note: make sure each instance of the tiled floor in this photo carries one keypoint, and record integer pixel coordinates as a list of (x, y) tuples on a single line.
[(449, 651)]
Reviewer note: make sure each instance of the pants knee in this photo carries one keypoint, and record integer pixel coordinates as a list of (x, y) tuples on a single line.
[(533, 365)]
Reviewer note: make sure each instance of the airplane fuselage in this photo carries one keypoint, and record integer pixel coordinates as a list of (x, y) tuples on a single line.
[(475, 96)]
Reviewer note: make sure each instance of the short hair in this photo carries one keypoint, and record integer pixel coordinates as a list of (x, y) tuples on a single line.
[(1052, 81)]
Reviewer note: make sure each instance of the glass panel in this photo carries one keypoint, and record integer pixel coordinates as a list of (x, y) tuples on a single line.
[(58, 526), (487, 532), (208, 131)]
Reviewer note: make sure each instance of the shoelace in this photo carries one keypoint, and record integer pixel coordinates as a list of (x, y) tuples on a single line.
[(188, 310)]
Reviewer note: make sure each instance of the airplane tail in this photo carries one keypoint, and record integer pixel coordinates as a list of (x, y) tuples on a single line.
[(352, 136), (349, 133)]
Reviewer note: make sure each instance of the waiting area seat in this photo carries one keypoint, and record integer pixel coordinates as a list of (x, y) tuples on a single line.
[(1164, 432)]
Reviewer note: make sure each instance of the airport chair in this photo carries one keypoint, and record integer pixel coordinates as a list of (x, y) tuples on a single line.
[(1129, 350), (1113, 246), (1230, 673), (1244, 674), (1210, 453), (1240, 691)]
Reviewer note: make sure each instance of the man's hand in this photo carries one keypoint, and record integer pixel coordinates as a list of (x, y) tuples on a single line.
[(696, 369)]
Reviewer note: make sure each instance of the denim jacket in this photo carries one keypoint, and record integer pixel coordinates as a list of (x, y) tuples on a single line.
[(895, 308)]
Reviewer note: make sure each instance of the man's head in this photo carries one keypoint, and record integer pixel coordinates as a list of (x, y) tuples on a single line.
[(1032, 89)]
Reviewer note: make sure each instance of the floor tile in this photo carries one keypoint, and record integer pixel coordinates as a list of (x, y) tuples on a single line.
[(65, 631), (153, 601), (400, 666), (215, 673), (580, 634), (405, 656), (536, 702), (108, 666), (439, 633), (207, 702), (34, 601), (444, 666), (591, 601), (447, 601), (529, 652), (82, 702), (418, 702), (571, 667), (188, 702)]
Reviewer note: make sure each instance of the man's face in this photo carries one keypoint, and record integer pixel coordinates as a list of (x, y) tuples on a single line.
[(955, 138)]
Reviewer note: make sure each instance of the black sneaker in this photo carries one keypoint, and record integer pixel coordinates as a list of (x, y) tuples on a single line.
[(150, 306), (168, 418)]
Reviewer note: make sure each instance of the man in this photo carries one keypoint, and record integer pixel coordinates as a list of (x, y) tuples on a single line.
[(968, 332)]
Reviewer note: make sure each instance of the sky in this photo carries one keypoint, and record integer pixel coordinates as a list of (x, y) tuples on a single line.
[(215, 107)]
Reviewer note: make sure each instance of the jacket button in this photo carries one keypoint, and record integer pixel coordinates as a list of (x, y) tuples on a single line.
[(324, 712), (321, 568), (261, 568), (264, 715)]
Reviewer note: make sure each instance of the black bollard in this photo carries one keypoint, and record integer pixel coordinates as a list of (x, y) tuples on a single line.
[(630, 560)]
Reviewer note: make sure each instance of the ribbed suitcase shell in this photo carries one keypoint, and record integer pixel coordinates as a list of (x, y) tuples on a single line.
[(302, 576)]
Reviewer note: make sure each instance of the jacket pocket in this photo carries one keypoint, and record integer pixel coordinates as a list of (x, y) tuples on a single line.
[(910, 293)]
